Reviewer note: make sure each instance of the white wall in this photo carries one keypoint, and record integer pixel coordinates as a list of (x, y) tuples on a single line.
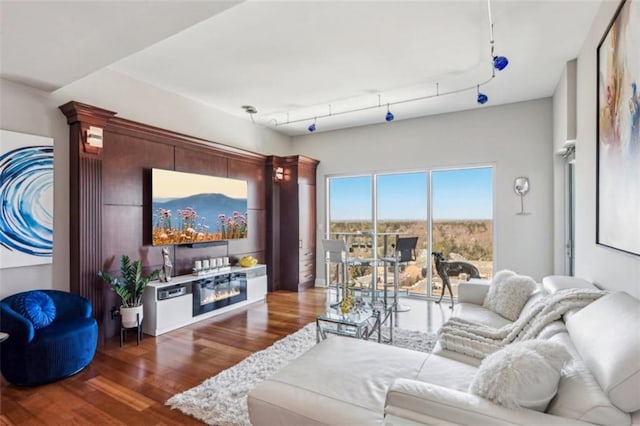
[(27, 110), (559, 136), (564, 129), (144, 103), (612, 269), (516, 138)]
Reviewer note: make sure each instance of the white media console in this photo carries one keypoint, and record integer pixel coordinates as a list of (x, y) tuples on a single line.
[(187, 299)]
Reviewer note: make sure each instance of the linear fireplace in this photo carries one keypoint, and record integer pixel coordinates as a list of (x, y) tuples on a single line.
[(218, 291)]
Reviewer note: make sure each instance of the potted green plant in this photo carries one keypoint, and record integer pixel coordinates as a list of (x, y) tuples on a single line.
[(130, 287)]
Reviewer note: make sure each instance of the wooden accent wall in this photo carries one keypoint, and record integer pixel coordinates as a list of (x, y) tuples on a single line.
[(85, 213), (291, 258), (111, 200)]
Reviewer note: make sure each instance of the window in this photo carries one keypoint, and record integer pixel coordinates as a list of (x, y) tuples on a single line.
[(350, 211), (458, 222), (462, 221), (402, 210)]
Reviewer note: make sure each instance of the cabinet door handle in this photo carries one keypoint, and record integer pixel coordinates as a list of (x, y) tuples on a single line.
[(299, 243)]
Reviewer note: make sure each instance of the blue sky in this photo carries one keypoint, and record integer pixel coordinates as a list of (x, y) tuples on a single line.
[(457, 194)]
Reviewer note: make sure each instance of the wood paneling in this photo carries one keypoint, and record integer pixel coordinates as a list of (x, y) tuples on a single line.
[(122, 233), (186, 256), (89, 235), (256, 239), (85, 207), (125, 160), (111, 199), (307, 215), (254, 173), (295, 223), (272, 200), (200, 161)]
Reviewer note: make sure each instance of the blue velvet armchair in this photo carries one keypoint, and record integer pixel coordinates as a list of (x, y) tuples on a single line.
[(61, 343)]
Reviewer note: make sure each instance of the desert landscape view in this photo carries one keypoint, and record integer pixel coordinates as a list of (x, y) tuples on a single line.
[(459, 240)]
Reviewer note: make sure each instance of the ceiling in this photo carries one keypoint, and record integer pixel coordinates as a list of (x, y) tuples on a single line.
[(296, 60)]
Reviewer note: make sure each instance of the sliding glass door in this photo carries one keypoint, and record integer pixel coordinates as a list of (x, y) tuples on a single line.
[(458, 222), (401, 200), (350, 205), (462, 222)]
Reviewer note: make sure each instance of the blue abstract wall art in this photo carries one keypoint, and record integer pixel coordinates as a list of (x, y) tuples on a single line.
[(26, 199)]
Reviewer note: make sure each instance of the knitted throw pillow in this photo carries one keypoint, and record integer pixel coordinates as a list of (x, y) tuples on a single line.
[(37, 307), (522, 374)]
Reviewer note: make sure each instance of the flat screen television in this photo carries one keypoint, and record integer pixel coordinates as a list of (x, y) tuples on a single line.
[(190, 208)]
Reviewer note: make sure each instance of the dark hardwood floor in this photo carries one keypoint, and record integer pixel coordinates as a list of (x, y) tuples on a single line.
[(129, 385)]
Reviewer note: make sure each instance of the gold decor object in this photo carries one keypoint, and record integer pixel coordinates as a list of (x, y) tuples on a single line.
[(347, 304), (348, 299), (248, 261)]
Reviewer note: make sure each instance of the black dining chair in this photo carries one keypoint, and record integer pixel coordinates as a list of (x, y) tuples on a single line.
[(404, 251)]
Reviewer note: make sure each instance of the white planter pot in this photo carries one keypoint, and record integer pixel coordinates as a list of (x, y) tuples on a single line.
[(128, 315)]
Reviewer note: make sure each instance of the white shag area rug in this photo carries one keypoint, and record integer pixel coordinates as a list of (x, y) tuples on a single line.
[(222, 399)]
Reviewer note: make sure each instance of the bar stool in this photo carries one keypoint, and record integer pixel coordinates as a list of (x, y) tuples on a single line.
[(336, 253), (404, 251)]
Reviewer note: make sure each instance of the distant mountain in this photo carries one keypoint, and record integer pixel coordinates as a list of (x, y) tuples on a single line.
[(163, 200), (208, 206)]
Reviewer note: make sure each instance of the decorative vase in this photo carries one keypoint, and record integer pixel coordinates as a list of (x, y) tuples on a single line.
[(129, 318)]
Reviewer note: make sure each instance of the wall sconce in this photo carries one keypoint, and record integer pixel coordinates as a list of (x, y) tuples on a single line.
[(94, 137), (278, 174), (521, 187), (92, 140)]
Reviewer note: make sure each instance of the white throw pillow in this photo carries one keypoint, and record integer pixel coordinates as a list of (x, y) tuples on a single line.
[(508, 294), (522, 374), (498, 278)]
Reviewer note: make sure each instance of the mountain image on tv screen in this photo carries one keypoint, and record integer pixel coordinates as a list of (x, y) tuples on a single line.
[(192, 208)]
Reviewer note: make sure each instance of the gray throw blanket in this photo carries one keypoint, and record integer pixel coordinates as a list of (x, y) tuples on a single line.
[(479, 340)]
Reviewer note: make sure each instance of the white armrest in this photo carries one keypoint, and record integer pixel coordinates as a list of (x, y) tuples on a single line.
[(426, 403), (472, 291)]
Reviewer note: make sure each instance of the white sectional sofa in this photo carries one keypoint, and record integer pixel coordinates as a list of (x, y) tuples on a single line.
[(343, 381)]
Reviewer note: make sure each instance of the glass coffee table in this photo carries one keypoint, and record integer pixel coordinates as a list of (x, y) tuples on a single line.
[(361, 324)]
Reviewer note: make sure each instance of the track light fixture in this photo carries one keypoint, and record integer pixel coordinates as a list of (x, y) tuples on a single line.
[(482, 98), (497, 63), (500, 62), (389, 116)]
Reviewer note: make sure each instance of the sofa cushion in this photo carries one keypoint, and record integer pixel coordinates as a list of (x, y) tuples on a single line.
[(579, 395), (479, 315), (37, 307), (508, 294), (413, 402), (339, 381), (523, 374), (555, 283), (446, 372), (613, 357)]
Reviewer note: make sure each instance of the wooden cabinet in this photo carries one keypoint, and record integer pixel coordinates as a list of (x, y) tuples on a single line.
[(292, 218)]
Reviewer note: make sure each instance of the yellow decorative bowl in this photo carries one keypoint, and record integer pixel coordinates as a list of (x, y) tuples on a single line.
[(248, 261)]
